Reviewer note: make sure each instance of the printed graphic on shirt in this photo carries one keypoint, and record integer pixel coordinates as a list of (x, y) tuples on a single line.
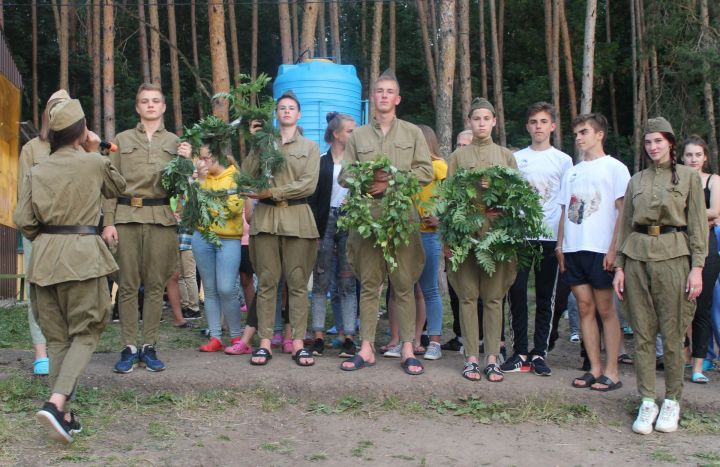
[(582, 206)]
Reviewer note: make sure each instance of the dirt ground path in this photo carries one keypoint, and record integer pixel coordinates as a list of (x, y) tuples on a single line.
[(291, 417)]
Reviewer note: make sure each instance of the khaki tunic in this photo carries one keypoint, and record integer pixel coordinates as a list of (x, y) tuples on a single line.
[(406, 148), (65, 190), (283, 239), (470, 281), (657, 267)]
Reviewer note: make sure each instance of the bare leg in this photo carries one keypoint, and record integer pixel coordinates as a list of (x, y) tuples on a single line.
[(590, 332), (173, 291), (611, 332)]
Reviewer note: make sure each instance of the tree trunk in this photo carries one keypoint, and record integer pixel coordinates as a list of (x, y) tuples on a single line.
[(2, 16), (254, 41), (497, 76), (309, 24), (434, 34), (174, 68), (335, 30), (567, 53), (611, 75), (62, 38), (35, 98), (483, 51), (196, 58), (109, 68), (88, 28), (234, 49), (155, 59), (548, 10), (555, 62), (443, 116), (501, 32), (97, 69), (392, 42), (464, 36), (142, 38), (588, 57), (637, 122), (429, 62), (654, 81), (363, 44), (295, 27), (286, 41), (218, 57), (708, 88), (376, 47), (321, 36)]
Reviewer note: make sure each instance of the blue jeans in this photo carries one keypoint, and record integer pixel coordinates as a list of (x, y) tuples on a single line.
[(715, 314), (429, 283), (332, 249), (219, 268)]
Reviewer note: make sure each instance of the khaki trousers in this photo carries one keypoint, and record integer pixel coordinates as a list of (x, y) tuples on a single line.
[(72, 316), (35, 332), (368, 265), (274, 256), (189, 297), (147, 255), (655, 302), (471, 282)]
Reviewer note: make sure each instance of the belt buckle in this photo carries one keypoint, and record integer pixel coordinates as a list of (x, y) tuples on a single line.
[(136, 202), (281, 204), (653, 230)]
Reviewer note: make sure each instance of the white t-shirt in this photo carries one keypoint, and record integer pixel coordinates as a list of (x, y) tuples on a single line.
[(338, 192), (544, 170), (589, 191)]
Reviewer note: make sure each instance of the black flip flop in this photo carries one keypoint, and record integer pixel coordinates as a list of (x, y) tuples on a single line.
[(303, 353), (588, 378), (262, 353), (358, 363), (412, 362), (625, 359), (611, 385)]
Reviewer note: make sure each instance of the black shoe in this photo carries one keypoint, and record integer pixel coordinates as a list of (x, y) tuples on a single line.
[(74, 424), (660, 363), (318, 347), (539, 366), (348, 349), (515, 364), (115, 314), (54, 419), (190, 314), (424, 340), (503, 352), (453, 345)]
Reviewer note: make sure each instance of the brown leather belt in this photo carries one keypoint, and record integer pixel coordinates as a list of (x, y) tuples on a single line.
[(140, 202), (656, 230), (69, 229), (284, 203)]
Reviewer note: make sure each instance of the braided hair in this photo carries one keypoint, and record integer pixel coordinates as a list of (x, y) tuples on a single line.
[(673, 159)]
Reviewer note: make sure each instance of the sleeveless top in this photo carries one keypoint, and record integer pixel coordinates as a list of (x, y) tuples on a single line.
[(706, 191)]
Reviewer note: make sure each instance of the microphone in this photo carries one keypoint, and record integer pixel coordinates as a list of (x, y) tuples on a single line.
[(105, 146)]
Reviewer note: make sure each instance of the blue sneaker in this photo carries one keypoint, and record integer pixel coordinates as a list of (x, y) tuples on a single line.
[(148, 357), (128, 361)]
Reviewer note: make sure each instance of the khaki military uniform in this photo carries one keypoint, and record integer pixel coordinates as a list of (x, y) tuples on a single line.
[(470, 281), (283, 237), (68, 270), (33, 152), (405, 147), (657, 267), (147, 240)]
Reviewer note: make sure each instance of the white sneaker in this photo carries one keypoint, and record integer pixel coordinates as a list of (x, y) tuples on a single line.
[(575, 338), (669, 417), (646, 416)]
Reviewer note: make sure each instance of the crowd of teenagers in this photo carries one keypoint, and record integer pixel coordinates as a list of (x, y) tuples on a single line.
[(637, 253)]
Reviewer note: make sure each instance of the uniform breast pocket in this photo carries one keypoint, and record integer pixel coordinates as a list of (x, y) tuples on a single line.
[(636, 197), (365, 153), (677, 193), (127, 154), (404, 150)]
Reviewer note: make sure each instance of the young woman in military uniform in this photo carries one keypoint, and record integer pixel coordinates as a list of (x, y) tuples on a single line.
[(661, 251)]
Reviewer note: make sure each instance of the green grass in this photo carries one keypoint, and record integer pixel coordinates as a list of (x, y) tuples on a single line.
[(663, 455), (700, 423), (711, 458), (279, 447), (360, 448), (318, 456)]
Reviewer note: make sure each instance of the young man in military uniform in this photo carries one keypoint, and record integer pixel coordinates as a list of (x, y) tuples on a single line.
[(470, 281), (283, 234), (142, 226), (403, 143), (59, 209)]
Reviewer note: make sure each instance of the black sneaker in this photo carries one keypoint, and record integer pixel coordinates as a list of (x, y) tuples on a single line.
[(453, 345), (74, 424), (539, 366), (54, 419), (115, 313), (189, 314), (515, 364), (318, 347), (348, 349)]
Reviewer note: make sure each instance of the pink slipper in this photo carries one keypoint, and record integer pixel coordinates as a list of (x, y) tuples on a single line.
[(287, 346), (238, 347)]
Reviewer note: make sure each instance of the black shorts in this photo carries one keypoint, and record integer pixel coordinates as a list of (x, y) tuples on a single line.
[(245, 264), (586, 267)]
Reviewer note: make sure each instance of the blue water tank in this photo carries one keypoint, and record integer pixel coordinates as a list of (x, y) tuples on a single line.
[(321, 86)]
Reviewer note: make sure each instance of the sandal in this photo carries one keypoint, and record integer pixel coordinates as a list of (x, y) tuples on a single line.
[(412, 362), (41, 366), (611, 385), (386, 347), (419, 350), (625, 359), (303, 353), (358, 364), (471, 368), (587, 378), (494, 369), (262, 353), (699, 378)]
